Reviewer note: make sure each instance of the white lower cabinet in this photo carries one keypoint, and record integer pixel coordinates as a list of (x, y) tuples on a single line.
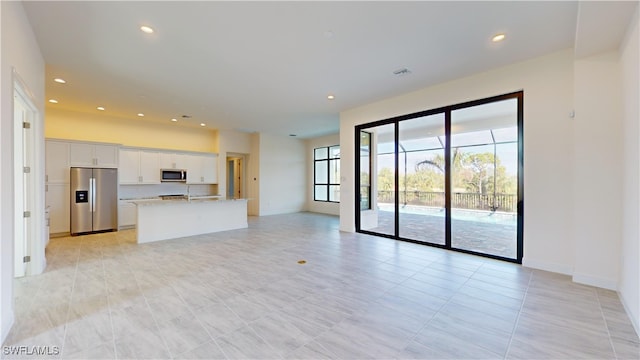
[(58, 200), (126, 214)]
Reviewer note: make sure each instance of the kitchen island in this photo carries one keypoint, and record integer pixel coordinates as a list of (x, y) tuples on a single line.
[(170, 219)]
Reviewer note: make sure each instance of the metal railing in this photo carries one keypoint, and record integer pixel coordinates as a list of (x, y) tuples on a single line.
[(473, 201)]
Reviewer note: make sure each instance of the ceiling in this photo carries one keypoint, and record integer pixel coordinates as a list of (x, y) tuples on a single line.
[(269, 66)]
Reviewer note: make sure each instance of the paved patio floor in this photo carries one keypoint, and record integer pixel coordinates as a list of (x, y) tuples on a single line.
[(483, 237)]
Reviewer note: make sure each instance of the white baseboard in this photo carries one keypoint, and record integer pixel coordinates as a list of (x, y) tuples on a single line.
[(347, 229), (635, 320), (7, 324), (605, 283), (547, 266)]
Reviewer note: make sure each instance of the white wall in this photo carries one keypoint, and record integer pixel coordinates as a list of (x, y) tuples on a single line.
[(629, 287), (234, 141), (548, 95), (282, 179), (103, 127), (597, 170), (19, 50), (322, 207)]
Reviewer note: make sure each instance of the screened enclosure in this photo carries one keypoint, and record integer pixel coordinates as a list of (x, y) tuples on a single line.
[(450, 177)]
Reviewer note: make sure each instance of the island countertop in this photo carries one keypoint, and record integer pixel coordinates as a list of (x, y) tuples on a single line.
[(171, 219), (194, 199)]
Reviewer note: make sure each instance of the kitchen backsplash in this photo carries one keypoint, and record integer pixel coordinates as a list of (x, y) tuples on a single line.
[(148, 191)]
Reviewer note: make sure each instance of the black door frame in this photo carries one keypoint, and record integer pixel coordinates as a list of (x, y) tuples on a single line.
[(446, 110)]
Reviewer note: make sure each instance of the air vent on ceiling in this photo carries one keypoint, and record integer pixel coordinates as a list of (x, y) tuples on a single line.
[(402, 72)]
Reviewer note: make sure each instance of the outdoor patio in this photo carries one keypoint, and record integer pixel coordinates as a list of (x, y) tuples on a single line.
[(496, 238)]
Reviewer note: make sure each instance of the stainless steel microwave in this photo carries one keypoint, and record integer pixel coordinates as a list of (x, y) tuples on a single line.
[(173, 175)]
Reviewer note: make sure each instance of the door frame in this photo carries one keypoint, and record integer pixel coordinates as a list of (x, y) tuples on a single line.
[(34, 245), (446, 110), (22, 194), (240, 171)]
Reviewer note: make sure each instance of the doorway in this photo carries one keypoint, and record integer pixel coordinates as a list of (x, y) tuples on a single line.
[(25, 115), (450, 177), (236, 176)]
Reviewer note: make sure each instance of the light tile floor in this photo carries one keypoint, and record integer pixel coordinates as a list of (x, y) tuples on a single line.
[(242, 294)]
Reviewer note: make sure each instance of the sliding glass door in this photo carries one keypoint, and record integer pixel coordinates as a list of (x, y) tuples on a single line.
[(449, 177), (377, 179), (484, 178), (421, 168)]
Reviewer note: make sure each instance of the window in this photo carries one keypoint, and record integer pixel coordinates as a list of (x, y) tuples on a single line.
[(326, 173)]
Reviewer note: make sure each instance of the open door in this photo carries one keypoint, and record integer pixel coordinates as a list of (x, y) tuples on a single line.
[(23, 183), (235, 177)]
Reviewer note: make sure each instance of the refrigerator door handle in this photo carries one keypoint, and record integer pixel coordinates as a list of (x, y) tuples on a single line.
[(92, 194)]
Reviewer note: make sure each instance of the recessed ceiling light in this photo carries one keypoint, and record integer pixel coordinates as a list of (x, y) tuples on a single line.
[(146, 29), (174, 120), (498, 37), (60, 81), (100, 108), (141, 114), (53, 101), (203, 124), (330, 97)]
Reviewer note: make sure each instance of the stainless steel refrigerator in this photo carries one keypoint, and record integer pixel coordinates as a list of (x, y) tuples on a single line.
[(94, 200)]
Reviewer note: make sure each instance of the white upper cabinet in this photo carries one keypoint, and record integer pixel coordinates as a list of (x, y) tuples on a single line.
[(93, 155), (173, 161), (128, 171), (106, 155), (149, 167), (210, 169), (139, 167), (56, 162), (194, 169), (202, 169), (81, 155), (167, 161)]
